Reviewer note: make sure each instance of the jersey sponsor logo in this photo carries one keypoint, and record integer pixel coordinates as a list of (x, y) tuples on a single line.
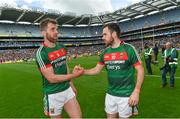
[(56, 54), (116, 56), (113, 67), (58, 64)]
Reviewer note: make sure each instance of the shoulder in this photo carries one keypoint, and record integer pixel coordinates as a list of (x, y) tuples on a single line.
[(130, 49), (173, 49), (41, 51), (61, 46), (106, 49), (129, 46)]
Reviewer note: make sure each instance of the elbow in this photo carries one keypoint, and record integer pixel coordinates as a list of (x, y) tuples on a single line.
[(140, 69), (51, 79), (97, 72)]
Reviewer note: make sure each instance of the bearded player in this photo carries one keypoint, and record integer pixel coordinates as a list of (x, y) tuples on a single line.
[(59, 91), (120, 60)]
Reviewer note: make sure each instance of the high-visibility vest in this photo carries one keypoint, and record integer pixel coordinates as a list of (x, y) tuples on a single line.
[(173, 54), (148, 52)]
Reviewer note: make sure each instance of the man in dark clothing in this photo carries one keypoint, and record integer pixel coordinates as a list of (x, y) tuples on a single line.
[(156, 51)]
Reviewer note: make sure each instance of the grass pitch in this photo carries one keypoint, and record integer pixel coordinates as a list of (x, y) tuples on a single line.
[(21, 92)]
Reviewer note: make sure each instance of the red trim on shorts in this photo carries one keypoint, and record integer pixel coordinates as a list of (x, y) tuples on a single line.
[(47, 113), (134, 114), (137, 63)]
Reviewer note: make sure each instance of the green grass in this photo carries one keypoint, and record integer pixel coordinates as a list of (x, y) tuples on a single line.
[(21, 92)]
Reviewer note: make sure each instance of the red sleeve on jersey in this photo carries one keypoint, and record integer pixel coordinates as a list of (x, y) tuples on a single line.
[(101, 63), (137, 63), (46, 66)]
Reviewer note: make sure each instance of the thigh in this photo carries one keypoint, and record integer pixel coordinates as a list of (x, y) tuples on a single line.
[(165, 70), (72, 108), (111, 107), (71, 105)]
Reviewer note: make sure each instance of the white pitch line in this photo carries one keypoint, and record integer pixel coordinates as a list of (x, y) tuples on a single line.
[(159, 76)]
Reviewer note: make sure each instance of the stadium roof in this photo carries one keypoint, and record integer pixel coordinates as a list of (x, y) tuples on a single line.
[(140, 9)]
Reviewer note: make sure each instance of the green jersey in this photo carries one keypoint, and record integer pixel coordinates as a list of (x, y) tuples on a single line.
[(56, 58), (119, 63)]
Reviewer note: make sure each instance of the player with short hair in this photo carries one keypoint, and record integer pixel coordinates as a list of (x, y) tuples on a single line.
[(120, 60), (58, 88)]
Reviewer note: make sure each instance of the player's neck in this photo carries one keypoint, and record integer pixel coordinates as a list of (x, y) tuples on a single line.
[(116, 43), (49, 44)]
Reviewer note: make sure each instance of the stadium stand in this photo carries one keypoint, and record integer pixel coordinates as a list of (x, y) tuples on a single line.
[(158, 27)]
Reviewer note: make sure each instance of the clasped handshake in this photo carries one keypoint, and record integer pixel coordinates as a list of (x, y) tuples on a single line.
[(78, 70)]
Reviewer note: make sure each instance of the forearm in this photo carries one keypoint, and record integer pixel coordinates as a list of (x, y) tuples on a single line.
[(61, 78), (140, 80), (92, 71)]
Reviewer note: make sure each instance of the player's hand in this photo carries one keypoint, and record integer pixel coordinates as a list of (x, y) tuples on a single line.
[(78, 70), (78, 67), (134, 98)]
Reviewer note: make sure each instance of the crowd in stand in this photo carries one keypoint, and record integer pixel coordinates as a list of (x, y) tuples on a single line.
[(15, 55), (159, 41), (18, 44)]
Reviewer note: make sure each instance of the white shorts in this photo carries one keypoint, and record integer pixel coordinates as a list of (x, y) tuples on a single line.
[(114, 104), (53, 103)]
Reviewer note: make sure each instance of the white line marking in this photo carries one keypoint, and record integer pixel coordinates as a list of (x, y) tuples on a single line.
[(161, 76)]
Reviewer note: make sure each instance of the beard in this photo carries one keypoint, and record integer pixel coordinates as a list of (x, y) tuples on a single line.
[(50, 38), (110, 42)]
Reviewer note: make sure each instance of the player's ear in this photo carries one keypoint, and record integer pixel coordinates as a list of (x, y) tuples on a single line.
[(43, 33), (114, 35)]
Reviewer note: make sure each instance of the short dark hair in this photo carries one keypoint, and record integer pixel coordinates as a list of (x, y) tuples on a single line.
[(113, 27), (45, 22)]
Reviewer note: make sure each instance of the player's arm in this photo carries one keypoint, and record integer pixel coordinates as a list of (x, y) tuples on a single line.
[(137, 64), (94, 70), (71, 82), (97, 69), (140, 78), (134, 98), (49, 74)]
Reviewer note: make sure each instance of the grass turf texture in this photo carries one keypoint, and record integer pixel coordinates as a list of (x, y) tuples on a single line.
[(21, 92)]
